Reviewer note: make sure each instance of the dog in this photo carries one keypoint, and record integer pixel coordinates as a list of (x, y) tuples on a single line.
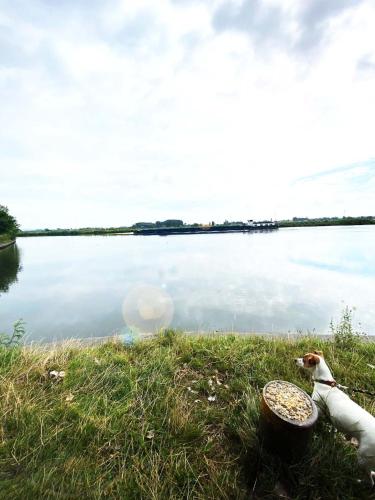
[(345, 414)]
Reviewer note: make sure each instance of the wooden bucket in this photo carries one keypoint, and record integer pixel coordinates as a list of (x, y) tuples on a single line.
[(285, 437)]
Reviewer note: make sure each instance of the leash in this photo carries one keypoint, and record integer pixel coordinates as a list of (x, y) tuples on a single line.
[(333, 383), (362, 391)]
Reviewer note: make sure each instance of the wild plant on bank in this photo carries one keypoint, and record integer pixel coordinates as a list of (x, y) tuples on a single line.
[(16, 337), (344, 333)]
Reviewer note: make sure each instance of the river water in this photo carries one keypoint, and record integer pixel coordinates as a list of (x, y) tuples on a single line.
[(287, 280)]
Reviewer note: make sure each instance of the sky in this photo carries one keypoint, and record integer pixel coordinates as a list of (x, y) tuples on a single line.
[(114, 111)]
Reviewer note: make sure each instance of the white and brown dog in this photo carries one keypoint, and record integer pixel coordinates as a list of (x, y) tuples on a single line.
[(345, 414)]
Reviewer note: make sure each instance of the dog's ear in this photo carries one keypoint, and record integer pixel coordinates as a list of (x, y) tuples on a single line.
[(311, 360), (319, 353)]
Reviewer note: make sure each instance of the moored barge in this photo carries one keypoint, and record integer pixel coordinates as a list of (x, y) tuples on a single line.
[(211, 229)]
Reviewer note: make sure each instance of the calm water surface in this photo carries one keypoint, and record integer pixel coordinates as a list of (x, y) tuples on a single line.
[(286, 280)]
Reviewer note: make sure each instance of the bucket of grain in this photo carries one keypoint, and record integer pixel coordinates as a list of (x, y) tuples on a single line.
[(288, 415)]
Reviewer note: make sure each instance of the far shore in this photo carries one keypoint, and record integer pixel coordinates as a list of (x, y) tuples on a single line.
[(200, 228)]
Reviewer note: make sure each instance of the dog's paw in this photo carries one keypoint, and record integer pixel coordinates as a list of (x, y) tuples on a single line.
[(369, 483)]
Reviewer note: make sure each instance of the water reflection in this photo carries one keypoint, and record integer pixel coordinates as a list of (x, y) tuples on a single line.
[(10, 266), (292, 279)]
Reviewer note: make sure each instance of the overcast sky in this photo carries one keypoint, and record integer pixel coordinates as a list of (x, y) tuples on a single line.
[(117, 111)]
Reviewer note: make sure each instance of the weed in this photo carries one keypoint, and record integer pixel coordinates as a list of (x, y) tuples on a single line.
[(344, 333), (16, 337)]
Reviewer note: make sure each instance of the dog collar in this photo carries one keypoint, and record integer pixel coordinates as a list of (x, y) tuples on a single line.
[(331, 383)]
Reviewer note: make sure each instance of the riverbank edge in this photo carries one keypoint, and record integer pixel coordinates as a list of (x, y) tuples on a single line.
[(130, 338), (168, 417), (7, 244)]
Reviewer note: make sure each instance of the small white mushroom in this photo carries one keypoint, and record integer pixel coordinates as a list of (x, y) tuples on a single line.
[(57, 374)]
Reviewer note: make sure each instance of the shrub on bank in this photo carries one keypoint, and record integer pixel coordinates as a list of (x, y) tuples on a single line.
[(8, 225)]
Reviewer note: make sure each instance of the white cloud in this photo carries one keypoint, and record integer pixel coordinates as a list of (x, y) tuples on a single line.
[(143, 110)]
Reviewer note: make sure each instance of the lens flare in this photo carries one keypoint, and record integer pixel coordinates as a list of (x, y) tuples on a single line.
[(147, 309)]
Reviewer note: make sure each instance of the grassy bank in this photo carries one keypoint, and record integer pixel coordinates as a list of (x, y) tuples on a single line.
[(136, 422)]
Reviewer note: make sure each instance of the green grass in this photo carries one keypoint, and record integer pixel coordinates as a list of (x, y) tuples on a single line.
[(123, 423)]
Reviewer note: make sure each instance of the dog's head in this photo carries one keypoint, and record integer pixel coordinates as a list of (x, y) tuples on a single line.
[(309, 360)]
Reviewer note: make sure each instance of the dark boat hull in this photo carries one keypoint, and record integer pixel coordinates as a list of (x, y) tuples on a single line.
[(164, 231)]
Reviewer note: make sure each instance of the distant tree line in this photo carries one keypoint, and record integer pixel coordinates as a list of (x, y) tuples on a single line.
[(158, 223), (327, 221), (75, 232)]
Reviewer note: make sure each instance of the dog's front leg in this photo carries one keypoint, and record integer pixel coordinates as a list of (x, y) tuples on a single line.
[(320, 404)]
